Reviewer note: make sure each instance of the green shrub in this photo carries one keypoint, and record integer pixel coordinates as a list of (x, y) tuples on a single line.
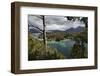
[(36, 50)]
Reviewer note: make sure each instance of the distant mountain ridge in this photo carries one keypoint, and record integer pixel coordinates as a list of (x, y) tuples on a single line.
[(34, 29), (74, 30), (70, 30)]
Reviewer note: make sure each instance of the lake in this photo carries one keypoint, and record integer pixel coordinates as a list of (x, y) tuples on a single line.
[(63, 46)]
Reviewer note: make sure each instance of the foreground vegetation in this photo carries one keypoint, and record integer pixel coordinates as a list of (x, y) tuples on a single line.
[(79, 49), (36, 50)]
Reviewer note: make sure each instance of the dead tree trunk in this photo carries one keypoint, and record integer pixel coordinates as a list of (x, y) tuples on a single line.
[(44, 34)]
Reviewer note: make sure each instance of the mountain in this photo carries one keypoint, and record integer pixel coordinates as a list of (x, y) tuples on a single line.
[(70, 30), (74, 30), (54, 31)]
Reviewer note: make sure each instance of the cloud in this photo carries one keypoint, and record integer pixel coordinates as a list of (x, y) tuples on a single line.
[(35, 21), (54, 22), (59, 20), (56, 27)]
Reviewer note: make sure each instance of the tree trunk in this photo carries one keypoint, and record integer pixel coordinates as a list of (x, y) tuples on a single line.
[(44, 34)]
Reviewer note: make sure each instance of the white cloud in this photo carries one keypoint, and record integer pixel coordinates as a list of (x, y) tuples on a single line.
[(56, 27)]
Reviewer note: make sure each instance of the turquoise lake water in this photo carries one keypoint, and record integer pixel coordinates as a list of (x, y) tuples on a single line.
[(63, 46)]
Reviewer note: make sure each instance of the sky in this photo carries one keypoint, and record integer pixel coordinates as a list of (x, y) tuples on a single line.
[(54, 22)]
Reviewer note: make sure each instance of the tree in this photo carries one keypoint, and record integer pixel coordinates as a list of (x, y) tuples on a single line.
[(70, 18), (36, 50), (42, 17), (44, 33), (85, 21), (78, 50)]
